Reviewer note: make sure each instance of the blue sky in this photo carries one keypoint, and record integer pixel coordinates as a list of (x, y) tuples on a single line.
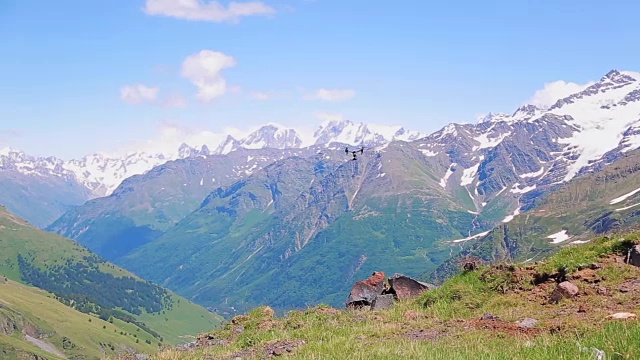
[(420, 64)]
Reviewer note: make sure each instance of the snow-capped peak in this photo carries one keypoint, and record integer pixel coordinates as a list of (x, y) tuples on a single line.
[(6, 151), (493, 117), (272, 136), (102, 174), (617, 77), (526, 112)]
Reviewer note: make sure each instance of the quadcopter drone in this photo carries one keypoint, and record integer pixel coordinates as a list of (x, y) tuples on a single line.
[(346, 151)]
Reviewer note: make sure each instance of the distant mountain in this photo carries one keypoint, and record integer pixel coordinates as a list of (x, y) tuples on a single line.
[(401, 201), (85, 282), (144, 206), (57, 185), (38, 189), (595, 204)]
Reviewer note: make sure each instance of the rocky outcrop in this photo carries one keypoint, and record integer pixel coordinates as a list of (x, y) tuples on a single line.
[(405, 287), (365, 292), (382, 302), (373, 293)]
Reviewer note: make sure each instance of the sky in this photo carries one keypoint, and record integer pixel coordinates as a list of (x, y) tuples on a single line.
[(79, 77)]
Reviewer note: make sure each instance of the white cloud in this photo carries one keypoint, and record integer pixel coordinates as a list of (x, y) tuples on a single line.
[(213, 11), (554, 91), (174, 101), (332, 95), (268, 95), (329, 116), (260, 95), (137, 94), (204, 69)]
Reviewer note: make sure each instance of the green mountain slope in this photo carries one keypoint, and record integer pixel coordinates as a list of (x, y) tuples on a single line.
[(28, 311), (91, 285), (604, 202), (144, 206), (308, 227), (41, 199)]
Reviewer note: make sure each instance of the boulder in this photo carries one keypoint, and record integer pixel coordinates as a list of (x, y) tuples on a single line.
[(527, 323), (566, 290), (489, 316), (382, 302), (405, 287), (634, 256), (364, 292)]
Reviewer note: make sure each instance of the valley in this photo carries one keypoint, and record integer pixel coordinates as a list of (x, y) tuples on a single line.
[(53, 289)]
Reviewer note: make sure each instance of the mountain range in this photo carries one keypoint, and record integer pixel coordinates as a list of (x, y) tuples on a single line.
[(58, 185), (288, 219)]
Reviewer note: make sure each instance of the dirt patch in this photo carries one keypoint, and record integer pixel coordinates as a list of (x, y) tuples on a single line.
[(426, 334), (500, 326), (330, 311), (268, 325), (412, 315), (586, 275), (43, 345), (279, 348), (632, 285), (269, 351)]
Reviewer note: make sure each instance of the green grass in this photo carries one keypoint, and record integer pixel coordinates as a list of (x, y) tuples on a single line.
[(12, 347), (38, 308), (184, 320), (570, 259), (450, 314), (17, 237)]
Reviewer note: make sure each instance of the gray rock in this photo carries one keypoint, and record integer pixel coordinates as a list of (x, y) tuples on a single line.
[(405, 287), (364, 292), (382, 302), (488, 316), (634, 256), (527, 323), (566, 290)]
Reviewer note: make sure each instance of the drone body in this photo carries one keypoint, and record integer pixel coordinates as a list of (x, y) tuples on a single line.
[(354, 152)]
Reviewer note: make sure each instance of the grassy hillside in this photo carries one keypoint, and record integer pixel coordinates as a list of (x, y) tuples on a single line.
[(92, 286), (474, 315), (25, 310), (595, 204)]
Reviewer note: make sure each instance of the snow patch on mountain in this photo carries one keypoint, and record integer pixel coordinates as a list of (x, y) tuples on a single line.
[(508, 218), (533, 174), (489, 142), (477, 236), (517, 190), (559, 237), (445, 178), (468, 175), (627, 207), (624, 197)]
